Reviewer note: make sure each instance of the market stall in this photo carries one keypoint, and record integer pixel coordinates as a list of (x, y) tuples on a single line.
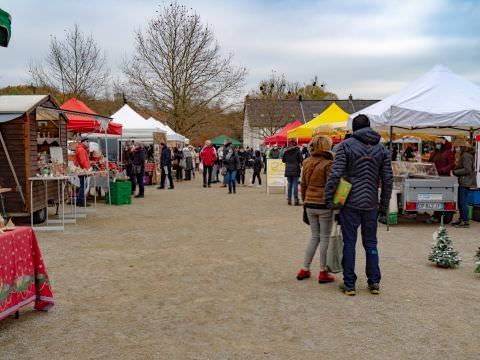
[(281, 139), (135, 127), (332, 118), (32, 142), (219, 140), (438, 103)]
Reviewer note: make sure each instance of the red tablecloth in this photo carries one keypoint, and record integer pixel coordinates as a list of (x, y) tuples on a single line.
[(23, 276)]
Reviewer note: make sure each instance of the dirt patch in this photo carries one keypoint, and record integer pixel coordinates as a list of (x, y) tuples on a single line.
[(196, 273)]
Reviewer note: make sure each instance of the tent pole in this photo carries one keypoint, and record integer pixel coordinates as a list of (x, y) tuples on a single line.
[(108, 169), (7, 155), (390, 146)]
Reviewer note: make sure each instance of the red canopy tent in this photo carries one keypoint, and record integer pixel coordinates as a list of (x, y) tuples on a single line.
[(84, 124), (280, 138)]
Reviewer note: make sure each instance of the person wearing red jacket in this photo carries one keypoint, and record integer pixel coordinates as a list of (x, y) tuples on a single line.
[(443, 157), (208, 155), (82, 160)]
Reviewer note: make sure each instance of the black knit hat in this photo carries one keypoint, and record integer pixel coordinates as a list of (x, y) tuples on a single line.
[(360, 121)]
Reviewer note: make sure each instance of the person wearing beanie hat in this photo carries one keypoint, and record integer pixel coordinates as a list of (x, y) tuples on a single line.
[(365, 163), (359, 122), (465, 171)]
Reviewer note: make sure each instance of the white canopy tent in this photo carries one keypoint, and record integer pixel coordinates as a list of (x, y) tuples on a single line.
[(135, 127), (171, 135), (439, 100)]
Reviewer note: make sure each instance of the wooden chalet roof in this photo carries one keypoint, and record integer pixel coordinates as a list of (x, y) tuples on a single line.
[(261, 112)]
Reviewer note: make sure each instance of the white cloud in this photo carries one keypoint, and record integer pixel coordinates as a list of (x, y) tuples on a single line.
[(364, 47)]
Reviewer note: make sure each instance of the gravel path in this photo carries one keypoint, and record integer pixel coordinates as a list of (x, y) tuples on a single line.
[(199, 274)]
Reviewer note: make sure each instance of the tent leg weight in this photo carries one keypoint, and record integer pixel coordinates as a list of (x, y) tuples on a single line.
[(40, 216)]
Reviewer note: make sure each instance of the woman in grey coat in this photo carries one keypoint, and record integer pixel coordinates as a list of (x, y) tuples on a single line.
[(465, 171)]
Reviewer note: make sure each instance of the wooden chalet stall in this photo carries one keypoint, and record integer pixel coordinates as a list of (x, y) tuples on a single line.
[(27, 132)]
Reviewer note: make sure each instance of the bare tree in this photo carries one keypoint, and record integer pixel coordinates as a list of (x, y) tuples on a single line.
[(273, 90), (178, 69), (74, 66)]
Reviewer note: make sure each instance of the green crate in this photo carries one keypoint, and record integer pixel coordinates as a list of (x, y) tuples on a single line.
[(118, 200), (121, 193), (392, 219), (470, 212)]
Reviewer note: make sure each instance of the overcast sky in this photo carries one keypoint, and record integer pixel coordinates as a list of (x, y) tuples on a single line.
[(367, 48)]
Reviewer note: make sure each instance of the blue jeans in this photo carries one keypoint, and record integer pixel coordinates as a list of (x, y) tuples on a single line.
[(350, 220), (231, 178), (463, 202), (292, 185)]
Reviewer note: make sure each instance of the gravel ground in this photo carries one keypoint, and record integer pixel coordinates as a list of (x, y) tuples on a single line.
[(199, 274)]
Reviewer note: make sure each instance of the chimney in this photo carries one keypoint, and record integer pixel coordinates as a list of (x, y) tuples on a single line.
[(350, 100)]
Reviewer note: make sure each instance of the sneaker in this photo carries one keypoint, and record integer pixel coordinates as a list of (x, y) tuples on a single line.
[(139, 196), (458, 222), (462, 224), (297, 202), (303, 274), (160, 187), (348, 291), (374, 288), (325, 277)]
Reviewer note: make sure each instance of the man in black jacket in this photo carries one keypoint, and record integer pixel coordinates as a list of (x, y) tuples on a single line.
[(139, 169), (292, 157), (366, 164), (166, 166)]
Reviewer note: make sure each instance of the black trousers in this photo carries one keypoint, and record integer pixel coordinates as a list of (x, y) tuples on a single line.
[(141, 186), (256, 174), (241, 176), (207, 174)]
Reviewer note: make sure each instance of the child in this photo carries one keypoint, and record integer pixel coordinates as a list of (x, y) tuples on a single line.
[(257, 168)]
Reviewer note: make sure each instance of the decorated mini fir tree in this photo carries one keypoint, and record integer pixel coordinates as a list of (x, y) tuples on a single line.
[(477, 261), (443, 254)]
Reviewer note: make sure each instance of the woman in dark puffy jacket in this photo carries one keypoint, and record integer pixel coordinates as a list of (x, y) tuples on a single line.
[(316, 170), (292, 157), (231, 162)]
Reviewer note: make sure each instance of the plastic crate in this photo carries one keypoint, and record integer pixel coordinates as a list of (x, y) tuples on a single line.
[(392, 219), (476, 213), (470, 212), (474, 197), (120, 193)]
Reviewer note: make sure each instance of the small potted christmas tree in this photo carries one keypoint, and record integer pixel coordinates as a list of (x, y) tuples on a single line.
[(477, 261), (443, 254)]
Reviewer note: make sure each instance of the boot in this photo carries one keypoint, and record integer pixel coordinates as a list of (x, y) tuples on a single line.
[(297, 202), (289, 201), (325, 277)]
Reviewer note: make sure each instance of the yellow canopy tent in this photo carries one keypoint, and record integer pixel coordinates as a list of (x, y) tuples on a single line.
[(332, 117)]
